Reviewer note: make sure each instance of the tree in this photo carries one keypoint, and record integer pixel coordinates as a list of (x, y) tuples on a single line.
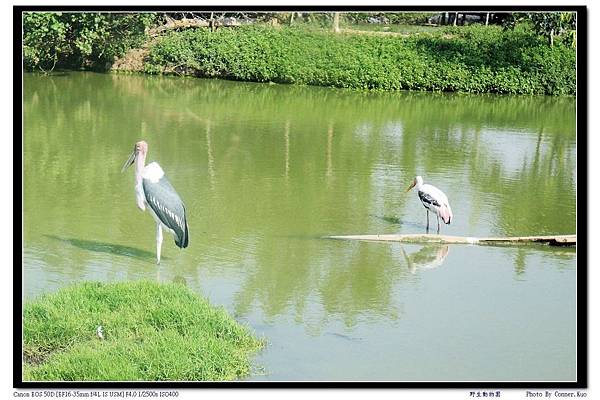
[(44, 38), (336, 22), (76, 40), (550, 25), (553, 24)]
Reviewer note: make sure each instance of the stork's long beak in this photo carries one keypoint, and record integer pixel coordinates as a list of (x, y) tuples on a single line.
[(129, 161), (412, 185)]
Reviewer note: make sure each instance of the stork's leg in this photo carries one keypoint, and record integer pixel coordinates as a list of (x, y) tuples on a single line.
[(159, 238), (438, 218), (427, 229)]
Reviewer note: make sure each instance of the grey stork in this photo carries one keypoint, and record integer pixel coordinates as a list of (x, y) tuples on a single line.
[(433, 200), (154, 190)]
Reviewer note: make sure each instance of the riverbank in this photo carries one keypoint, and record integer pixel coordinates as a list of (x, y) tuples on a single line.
[(473, 59), (132, 331)]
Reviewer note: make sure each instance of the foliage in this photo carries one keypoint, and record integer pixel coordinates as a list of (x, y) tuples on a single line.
[(413, 18), (44, 39), (79, 40), (404, 29), (548, 25), (321, 20), (474, 59), (151, 332)]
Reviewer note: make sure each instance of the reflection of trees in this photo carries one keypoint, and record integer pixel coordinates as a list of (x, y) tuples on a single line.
[(349, 283), (552, 254), (539, 197), (263, 167), (361, 284), (542, 195)]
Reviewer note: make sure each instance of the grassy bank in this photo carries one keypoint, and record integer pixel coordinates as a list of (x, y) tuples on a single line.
[(151, 332), (474, 59)]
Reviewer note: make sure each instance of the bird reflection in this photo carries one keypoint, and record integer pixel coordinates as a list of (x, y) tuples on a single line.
[(109, 248), (428, 257)]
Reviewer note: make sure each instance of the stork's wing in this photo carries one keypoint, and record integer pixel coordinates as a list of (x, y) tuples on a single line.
[(428, 199), (168, 207)]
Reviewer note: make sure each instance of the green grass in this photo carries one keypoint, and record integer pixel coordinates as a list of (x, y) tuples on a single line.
[(152, 332), (473, 59)]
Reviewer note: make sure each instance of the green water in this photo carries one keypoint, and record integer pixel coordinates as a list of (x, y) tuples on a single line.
[(266, 170)]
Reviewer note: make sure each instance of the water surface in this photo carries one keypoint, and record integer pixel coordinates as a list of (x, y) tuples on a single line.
[(266, 170)]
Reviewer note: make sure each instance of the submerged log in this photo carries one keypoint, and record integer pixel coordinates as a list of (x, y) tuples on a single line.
[(552, 240)]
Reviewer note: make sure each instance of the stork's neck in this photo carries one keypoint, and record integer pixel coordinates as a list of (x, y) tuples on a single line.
[(140, 161)]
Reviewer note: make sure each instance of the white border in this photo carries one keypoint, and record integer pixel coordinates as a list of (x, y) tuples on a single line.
[(6, 201)]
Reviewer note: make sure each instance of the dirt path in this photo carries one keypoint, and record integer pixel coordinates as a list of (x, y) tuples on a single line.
[(132, 61)]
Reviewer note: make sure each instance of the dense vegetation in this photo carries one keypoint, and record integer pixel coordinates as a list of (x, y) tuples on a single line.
[(466, 59), (531, 54), (151, 332), (388, 18), (80, 40)]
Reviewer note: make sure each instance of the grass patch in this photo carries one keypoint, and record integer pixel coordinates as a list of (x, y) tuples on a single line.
[(473, 59), (152, 332)]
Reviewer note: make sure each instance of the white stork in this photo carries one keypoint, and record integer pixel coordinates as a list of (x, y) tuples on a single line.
[(153, 189), (433, 199)]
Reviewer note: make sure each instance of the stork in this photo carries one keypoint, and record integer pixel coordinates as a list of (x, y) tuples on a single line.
[(153, 189), (433, 200)]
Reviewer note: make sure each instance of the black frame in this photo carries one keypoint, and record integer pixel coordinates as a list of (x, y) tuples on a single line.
[(582, 256)]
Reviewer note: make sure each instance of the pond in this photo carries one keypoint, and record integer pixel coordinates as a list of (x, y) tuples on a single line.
[(266, 170)]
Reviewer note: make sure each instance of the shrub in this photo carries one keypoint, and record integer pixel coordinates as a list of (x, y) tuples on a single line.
[(473, 59)]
